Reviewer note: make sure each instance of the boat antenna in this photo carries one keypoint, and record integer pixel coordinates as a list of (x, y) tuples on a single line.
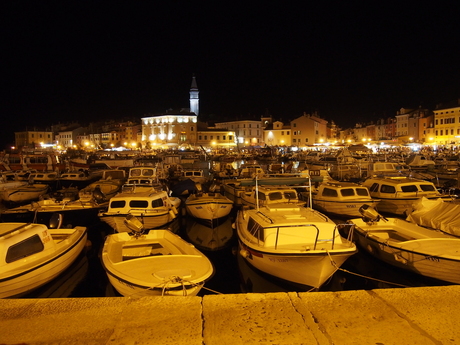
[(310, 200), (257, 193)]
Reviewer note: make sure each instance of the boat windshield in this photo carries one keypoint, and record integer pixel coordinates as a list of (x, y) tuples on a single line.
[(427, 187)]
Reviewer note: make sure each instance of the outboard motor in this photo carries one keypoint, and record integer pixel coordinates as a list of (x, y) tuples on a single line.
[(135, 225), (56, 221), (98, 195), (370, 214)]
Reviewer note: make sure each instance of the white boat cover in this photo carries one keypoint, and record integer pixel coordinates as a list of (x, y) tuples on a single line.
[(436, 214)]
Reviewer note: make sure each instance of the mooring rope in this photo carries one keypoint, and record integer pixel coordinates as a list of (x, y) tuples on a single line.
[(361, 275)]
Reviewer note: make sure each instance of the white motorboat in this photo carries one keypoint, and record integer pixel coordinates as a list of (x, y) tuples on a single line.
[(293, 243), (437, 214), (157, 263), (79, 179), (65, 202), (47, 177), (22, 193), (34, 254), (341, 199), (397, 196), (196, 175), (428, 252), (153, 207), (208, 207), (268, 195), (104, 189)]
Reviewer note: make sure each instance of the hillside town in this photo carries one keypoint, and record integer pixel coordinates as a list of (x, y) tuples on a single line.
[(181, 129)]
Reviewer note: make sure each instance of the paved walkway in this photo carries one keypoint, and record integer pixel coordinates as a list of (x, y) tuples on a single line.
[(412, 316)]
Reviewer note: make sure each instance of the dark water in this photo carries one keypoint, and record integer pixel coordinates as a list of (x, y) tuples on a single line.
[(87, 278)]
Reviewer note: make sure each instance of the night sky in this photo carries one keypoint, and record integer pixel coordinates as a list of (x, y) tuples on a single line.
[(350, 61)]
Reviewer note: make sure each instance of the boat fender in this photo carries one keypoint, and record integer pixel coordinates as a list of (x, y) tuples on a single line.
[(172, 214), (244, 253), (174, 209)]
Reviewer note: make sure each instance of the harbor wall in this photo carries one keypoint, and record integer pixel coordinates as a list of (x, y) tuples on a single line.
[(426, 315)]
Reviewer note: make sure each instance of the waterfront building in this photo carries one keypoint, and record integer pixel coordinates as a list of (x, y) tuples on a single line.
[(277, 134), (447, 123), (33, 138), (308, 130), (248, 132)]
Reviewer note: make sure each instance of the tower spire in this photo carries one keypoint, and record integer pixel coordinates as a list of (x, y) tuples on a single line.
[(194, 97)]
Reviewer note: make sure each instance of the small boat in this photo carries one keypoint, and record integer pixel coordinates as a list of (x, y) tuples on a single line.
[(65, 201), (341, 199), (48, 177), (293, 243), (104, 189), (208, 207), (420, 162), (79, 179), (23, 193), (428, 252), (196, 175), (437, 214), (397, 196), (34, 254), (156, 263), (154, 208)]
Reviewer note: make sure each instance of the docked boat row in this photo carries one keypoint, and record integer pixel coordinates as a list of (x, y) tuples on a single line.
[(298, 224)]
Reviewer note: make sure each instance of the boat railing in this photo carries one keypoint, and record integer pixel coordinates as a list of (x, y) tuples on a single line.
[(335, 233)]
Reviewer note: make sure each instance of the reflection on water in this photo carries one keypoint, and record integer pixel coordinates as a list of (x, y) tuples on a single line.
[(87, 278)]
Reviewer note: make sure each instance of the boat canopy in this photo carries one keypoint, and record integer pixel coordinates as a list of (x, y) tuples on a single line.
[(436, 214)]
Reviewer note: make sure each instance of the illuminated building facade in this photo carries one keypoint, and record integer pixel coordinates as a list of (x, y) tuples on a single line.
[(248, 132), (308, 130), (277, 134), (447, 124)]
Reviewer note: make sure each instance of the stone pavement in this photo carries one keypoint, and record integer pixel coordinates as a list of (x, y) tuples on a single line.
[(428, 315)]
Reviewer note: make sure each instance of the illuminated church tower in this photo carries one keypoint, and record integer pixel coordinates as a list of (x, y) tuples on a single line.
[(194, 99)]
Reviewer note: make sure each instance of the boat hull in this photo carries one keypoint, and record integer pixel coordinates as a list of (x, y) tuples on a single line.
[(150, 220), (209, 212), (342, 208), (310, 269)]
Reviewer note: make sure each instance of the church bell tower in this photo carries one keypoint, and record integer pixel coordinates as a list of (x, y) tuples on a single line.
[(194, 98)]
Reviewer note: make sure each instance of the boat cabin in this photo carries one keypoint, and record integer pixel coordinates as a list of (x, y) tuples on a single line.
[(340, 191), (142, 201), (400, 188), (270, 195), (21, 240)]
